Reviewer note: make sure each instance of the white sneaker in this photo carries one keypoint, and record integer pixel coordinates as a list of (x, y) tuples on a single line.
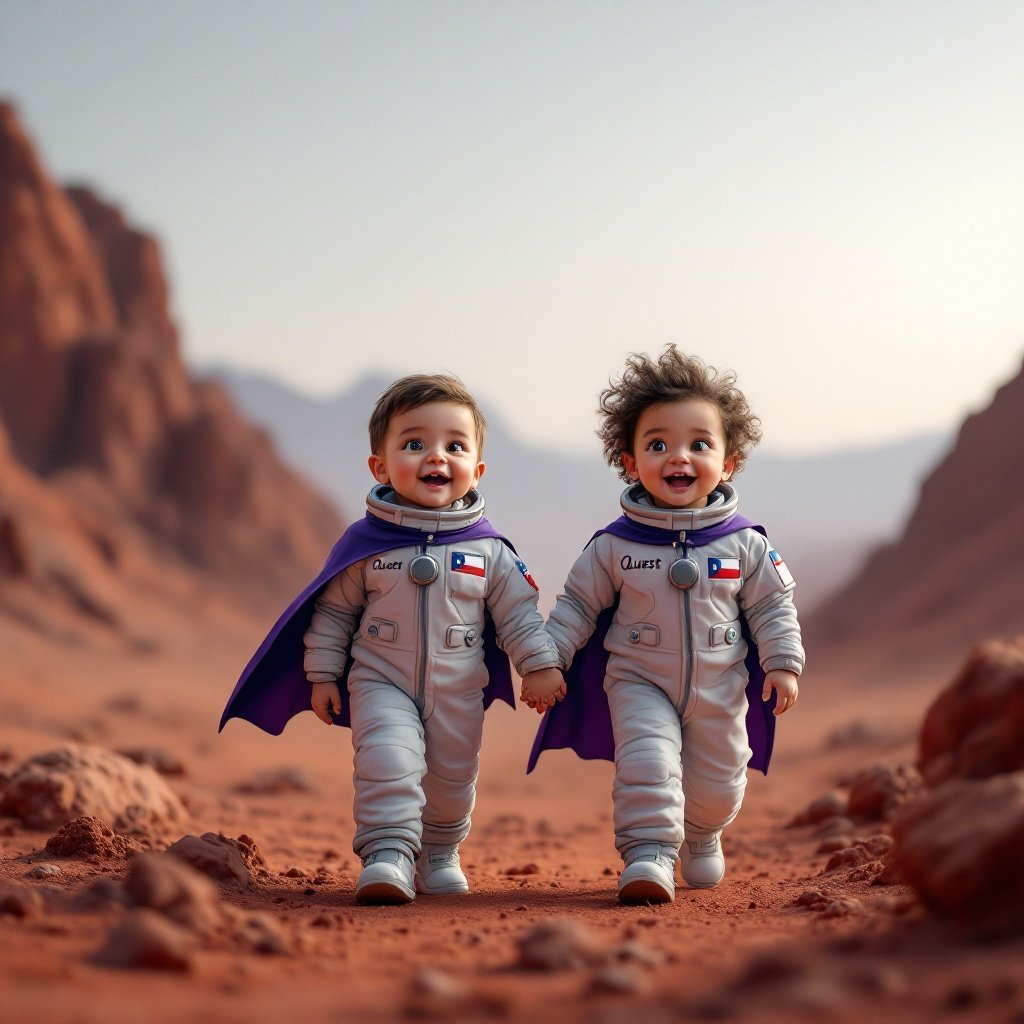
[(702, 864), (649, 874), (387, 877), (438, 871)]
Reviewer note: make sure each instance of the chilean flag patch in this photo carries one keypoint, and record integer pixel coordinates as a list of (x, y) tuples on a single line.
[(467, 562), (527, 575), (781, 568), (723, 568)]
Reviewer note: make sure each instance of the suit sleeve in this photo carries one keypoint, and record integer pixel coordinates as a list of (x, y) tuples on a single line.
[(766, 598), (512, 602), (589, 589), (336, 615)]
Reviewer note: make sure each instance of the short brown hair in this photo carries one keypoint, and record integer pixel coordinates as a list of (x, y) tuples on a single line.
[(421, 389), (674, 376)]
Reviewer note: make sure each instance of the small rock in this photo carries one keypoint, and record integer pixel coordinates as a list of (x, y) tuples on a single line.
[(437, 985), (165, 884), (144, 938), (43, 871), (19, 900), (854, 734), (101, 895), (618, 981), (159, 760), (634, 952), (262, 934), (841, 908), (828, 806), (226, 860), (878, 792), (839, 842), (811, 898), (277, 781), (507, 824), (90, 838), (524, 869), (863, 851), (840, 824), (558, 945)]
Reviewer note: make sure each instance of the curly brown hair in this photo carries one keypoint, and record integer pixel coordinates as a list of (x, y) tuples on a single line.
[(421, 389), (672, 377)]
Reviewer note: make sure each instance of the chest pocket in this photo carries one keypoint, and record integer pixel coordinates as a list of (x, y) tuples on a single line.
[(467, 574)]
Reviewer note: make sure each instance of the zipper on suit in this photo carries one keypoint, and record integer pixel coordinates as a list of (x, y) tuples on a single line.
[(419, 697), (682, 552)]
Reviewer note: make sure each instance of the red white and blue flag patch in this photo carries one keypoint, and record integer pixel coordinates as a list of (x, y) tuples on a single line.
[(468, 562), (527, 575), (781, 568), (723, 568)]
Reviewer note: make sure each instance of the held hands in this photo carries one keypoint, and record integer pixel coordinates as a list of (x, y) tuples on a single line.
[(785, 685), (326, 701), (542, 689)]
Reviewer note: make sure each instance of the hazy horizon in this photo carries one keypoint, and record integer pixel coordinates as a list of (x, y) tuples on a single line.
[(823, 197)]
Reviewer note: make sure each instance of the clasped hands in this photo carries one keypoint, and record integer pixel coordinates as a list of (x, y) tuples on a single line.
[(542, 689)]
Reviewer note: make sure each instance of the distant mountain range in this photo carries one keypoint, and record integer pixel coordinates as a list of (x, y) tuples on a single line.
[(824, 512)]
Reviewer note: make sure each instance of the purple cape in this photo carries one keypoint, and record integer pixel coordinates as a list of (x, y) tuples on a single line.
[(273, 687), (582, 720)]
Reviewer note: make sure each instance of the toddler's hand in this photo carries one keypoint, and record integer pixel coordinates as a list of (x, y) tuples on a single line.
[(784, 683), (326, 701), (542, 689)]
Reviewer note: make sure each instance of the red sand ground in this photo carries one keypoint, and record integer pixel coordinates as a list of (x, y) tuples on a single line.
[(743, 950)]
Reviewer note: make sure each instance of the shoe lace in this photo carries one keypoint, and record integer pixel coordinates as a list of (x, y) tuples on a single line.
[(706, 845), (442, 855)]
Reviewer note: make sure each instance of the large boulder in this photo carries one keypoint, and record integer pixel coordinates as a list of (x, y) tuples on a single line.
[(74, 781), (960, 848), (975, 727)]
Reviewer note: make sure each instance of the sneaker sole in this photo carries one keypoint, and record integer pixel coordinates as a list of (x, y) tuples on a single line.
[(643, 890), (700, 885), (454, 889), (386, 893)]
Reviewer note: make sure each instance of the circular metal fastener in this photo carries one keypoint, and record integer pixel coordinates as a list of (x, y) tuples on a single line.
[(423, 569), (731, 635), (372, 630), (634, 636), (470, 638), (683, 573)]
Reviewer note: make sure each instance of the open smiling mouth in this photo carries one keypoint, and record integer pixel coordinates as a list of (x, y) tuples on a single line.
[(434, 479), (679, 481)]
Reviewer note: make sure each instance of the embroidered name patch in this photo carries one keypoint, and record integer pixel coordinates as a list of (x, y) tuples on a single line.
[(468, 562), (723, 568), (527, 575), (781, 568)]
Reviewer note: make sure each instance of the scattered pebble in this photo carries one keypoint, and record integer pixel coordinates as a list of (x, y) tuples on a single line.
[(43, 871), (524, 869), (145, 938)]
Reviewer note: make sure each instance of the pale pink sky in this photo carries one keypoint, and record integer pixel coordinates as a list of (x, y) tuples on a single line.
[(824, 196)]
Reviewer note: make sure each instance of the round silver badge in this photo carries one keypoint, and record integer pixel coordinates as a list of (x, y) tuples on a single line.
[(683, 573), (423, 569)]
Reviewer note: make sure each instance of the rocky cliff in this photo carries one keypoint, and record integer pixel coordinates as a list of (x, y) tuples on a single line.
[(110, 452), (953, 578)]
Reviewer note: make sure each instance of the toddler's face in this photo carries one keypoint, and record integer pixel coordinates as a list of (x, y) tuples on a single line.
[(679, 453), (430, 455)]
